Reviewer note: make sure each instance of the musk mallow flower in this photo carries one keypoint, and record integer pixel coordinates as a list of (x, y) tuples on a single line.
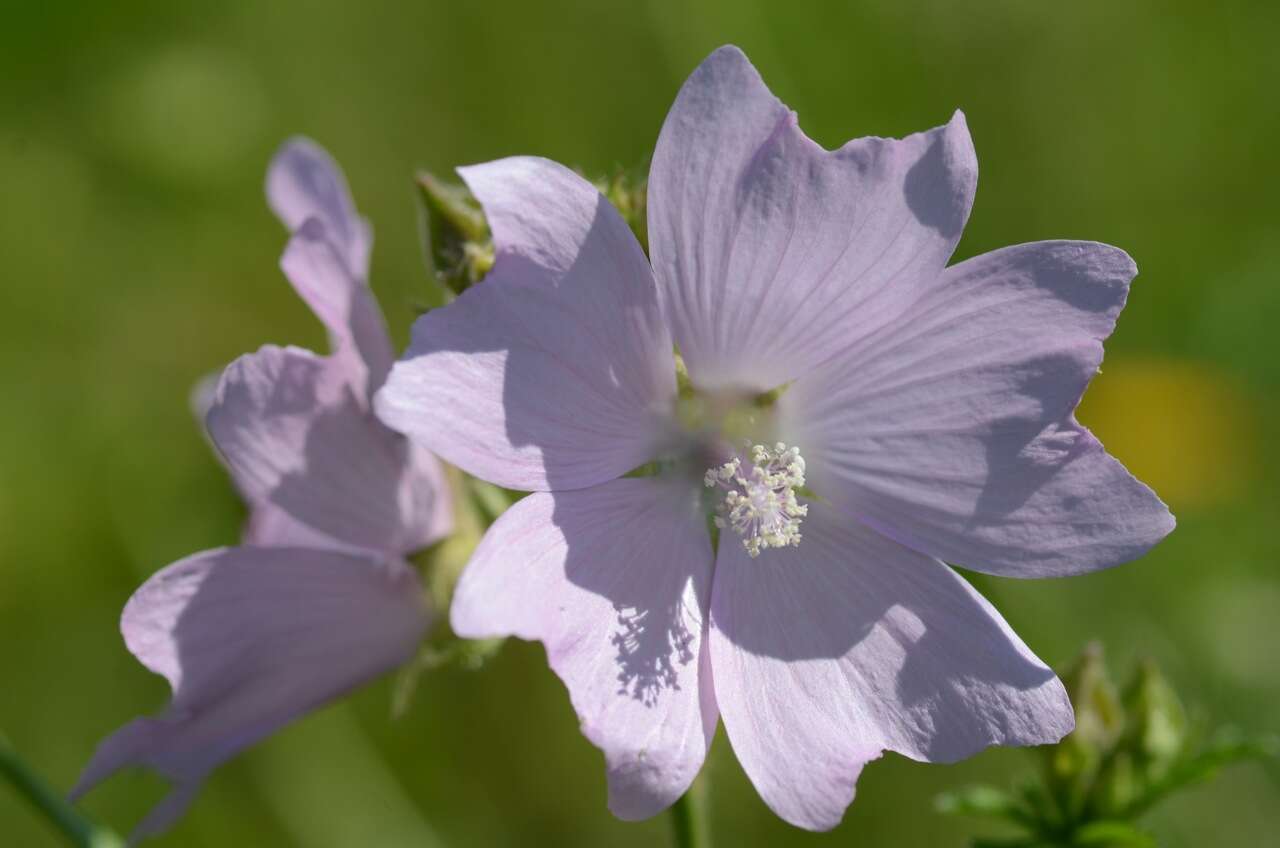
[(319, 599), (756, 529)]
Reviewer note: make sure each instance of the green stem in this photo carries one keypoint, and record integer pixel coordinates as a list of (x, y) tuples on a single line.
[(79, 830), (689, 821)]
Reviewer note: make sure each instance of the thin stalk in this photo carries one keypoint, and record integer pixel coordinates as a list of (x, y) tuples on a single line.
[(690, 825), (79, 830)]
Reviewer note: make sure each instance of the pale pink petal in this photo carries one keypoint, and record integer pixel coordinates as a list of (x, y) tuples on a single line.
[(426, 499), (297, 441), (430, 517), (555, 372), (614, 581), (343, 303), (269, 525), (250, 639), (304, 182), (829, 653), (952, 428), (772, 252)]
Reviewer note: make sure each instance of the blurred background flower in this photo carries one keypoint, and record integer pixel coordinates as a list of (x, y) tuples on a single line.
[(138, 256)]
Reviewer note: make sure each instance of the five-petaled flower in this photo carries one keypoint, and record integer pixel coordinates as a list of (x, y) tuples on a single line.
[(318, 600), (850, 413)]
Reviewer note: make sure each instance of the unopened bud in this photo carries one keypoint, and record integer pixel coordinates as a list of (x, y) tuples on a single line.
[(1073, 764), (1157, 732), (457, 244)]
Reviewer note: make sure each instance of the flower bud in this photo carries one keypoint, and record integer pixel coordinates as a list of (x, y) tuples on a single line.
[(456, 240), (1073, 764), (1157, 728)]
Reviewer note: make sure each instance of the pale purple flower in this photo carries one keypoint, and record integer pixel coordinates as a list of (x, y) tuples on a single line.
[(319, 599), (930, 409)]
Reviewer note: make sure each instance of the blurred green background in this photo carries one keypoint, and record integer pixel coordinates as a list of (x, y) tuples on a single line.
[(138, 255)]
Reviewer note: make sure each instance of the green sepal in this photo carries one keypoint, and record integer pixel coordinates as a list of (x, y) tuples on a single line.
[(457, 244)]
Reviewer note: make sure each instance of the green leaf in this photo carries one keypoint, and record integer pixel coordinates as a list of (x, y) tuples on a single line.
[(1042, 807), (975, 801), (988, 802), (1113, 834), (1227, 747)]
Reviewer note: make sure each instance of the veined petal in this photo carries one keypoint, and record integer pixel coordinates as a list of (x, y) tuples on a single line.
[(614, 581), (250, 639), (556, 371), (829, 653), (426, 515), (273, 527), (426, 499), (343, 303), (952, 429), (773, 252), (268, 524), (304, 182), (298, 442)]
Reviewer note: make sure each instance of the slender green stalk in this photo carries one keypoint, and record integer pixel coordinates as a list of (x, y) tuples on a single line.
[(689, 821), (79, 830)]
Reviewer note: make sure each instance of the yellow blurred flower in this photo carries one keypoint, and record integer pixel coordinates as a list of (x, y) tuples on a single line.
[(1184, 428)]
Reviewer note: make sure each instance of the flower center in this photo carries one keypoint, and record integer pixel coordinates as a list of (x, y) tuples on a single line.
[(760, 498)]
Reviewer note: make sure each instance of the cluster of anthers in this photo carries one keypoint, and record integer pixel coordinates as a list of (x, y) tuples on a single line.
[(760, 501)]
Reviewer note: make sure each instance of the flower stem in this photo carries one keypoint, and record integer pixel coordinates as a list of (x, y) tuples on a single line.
[(690, 825), (79, 830)]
